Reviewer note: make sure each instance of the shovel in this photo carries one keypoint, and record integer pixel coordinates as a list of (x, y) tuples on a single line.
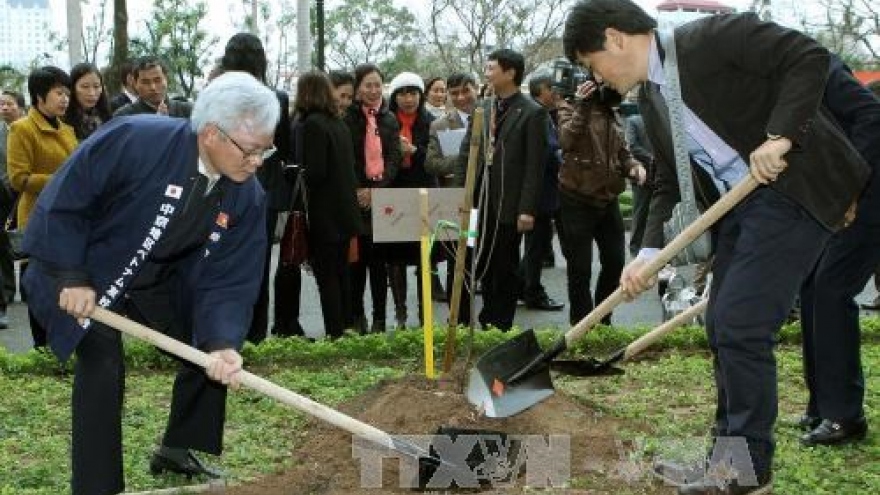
[(603, 367), (428, 463), (515, 375)]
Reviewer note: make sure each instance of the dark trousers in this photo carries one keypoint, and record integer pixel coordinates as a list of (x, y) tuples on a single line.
[(584, 223), (499, 261), (330, 265), (196, 419), (7, 266), (537, 243), (287, 288), (641, 205), (369, 258), (830, 317), (766, 247), (38, 332)]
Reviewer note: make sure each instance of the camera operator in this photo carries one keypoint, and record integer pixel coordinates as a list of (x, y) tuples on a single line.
[(595, 164)]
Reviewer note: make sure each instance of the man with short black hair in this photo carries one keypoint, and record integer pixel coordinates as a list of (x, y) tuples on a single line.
[(538, 242), (752, 94), (151, 84), (128, 94), (509, 178), (462, 91)]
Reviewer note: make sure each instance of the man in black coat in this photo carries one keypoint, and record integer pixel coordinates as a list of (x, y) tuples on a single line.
[(752, 92), (151, 83), (829, 314), (512, 155)]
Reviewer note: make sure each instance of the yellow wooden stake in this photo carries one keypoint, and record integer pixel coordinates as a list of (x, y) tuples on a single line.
[(427, 304)]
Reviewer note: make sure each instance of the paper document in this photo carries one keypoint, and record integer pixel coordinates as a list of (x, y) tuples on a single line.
[(450, 141)]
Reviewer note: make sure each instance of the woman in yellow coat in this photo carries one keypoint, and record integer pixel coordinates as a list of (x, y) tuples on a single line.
[(37, 145)]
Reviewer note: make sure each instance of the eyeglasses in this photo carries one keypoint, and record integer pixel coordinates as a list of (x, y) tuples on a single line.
[(246, 155)]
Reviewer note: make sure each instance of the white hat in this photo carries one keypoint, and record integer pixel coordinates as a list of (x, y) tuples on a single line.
[(406, 80)]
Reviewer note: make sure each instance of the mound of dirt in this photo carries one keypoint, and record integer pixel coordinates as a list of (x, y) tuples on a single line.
[(325, 463)]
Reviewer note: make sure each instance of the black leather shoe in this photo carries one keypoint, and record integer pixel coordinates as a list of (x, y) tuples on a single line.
[(183, 462), (808, 423), (545, 303), (712, 486), (833, 433)]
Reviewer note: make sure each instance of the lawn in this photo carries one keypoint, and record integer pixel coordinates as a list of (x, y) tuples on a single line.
[(662, 400)]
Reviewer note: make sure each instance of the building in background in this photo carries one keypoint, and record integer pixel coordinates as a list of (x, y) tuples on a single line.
[(676, 12), (24, 32)]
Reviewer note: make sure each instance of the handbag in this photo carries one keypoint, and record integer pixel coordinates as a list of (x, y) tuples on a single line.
[(294, 249), (13, 233), (685, 212)]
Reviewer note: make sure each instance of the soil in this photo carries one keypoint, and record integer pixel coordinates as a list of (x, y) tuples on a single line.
[(324, 462)]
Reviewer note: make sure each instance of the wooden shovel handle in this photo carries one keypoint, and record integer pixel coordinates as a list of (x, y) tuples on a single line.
[(249, 380), (681, 241), (643, 342)]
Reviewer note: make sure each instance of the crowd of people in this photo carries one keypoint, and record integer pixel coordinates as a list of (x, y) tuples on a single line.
[(168, 211)]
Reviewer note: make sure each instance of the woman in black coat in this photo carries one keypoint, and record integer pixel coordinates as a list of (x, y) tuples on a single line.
[(244, 52), (376, 164), (328, 161), (407, 103)]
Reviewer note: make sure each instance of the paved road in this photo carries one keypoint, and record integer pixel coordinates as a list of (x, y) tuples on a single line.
[(644, 311)]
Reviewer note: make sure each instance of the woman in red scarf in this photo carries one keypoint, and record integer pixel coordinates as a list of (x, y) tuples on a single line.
[(375, 136), (407, 103)]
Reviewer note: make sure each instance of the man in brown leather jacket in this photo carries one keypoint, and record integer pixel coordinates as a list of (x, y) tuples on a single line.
[(595, 163)]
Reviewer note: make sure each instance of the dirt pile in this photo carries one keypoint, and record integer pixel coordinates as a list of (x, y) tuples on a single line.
[(324, 463)]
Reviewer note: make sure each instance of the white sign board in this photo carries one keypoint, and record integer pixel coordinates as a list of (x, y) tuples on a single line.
[(396, 216)]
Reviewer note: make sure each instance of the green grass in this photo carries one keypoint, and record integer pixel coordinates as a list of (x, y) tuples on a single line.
[(668, 395)]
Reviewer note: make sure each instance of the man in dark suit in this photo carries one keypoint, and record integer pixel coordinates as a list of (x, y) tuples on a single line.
[(128, 93), (538, 245), (829, 314), (513, 150), (151, 83), (752, 92)]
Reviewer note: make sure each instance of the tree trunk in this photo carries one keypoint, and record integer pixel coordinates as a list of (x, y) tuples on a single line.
[(74, 32), (303, 41), (120, 46)]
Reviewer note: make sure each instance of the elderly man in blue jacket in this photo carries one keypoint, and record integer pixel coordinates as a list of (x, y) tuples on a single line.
[(158, 218)]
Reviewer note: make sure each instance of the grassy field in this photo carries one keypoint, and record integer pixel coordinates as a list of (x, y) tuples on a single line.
[(667, 395)]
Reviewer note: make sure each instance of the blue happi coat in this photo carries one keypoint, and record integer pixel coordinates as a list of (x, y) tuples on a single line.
[(104, 210)]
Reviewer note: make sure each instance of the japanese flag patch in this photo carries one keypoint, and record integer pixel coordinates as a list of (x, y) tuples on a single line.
[(173, 191)]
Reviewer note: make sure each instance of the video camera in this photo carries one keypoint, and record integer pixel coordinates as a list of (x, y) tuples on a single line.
[(567, 77)]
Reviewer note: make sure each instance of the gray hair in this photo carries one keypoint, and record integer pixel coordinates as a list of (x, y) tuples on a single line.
[(237, 101)]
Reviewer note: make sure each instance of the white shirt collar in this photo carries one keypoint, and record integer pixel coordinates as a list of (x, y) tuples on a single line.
[(212, 177)]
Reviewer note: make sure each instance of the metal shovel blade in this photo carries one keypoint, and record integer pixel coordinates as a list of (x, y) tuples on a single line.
[(487, 457), (488, 386)]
